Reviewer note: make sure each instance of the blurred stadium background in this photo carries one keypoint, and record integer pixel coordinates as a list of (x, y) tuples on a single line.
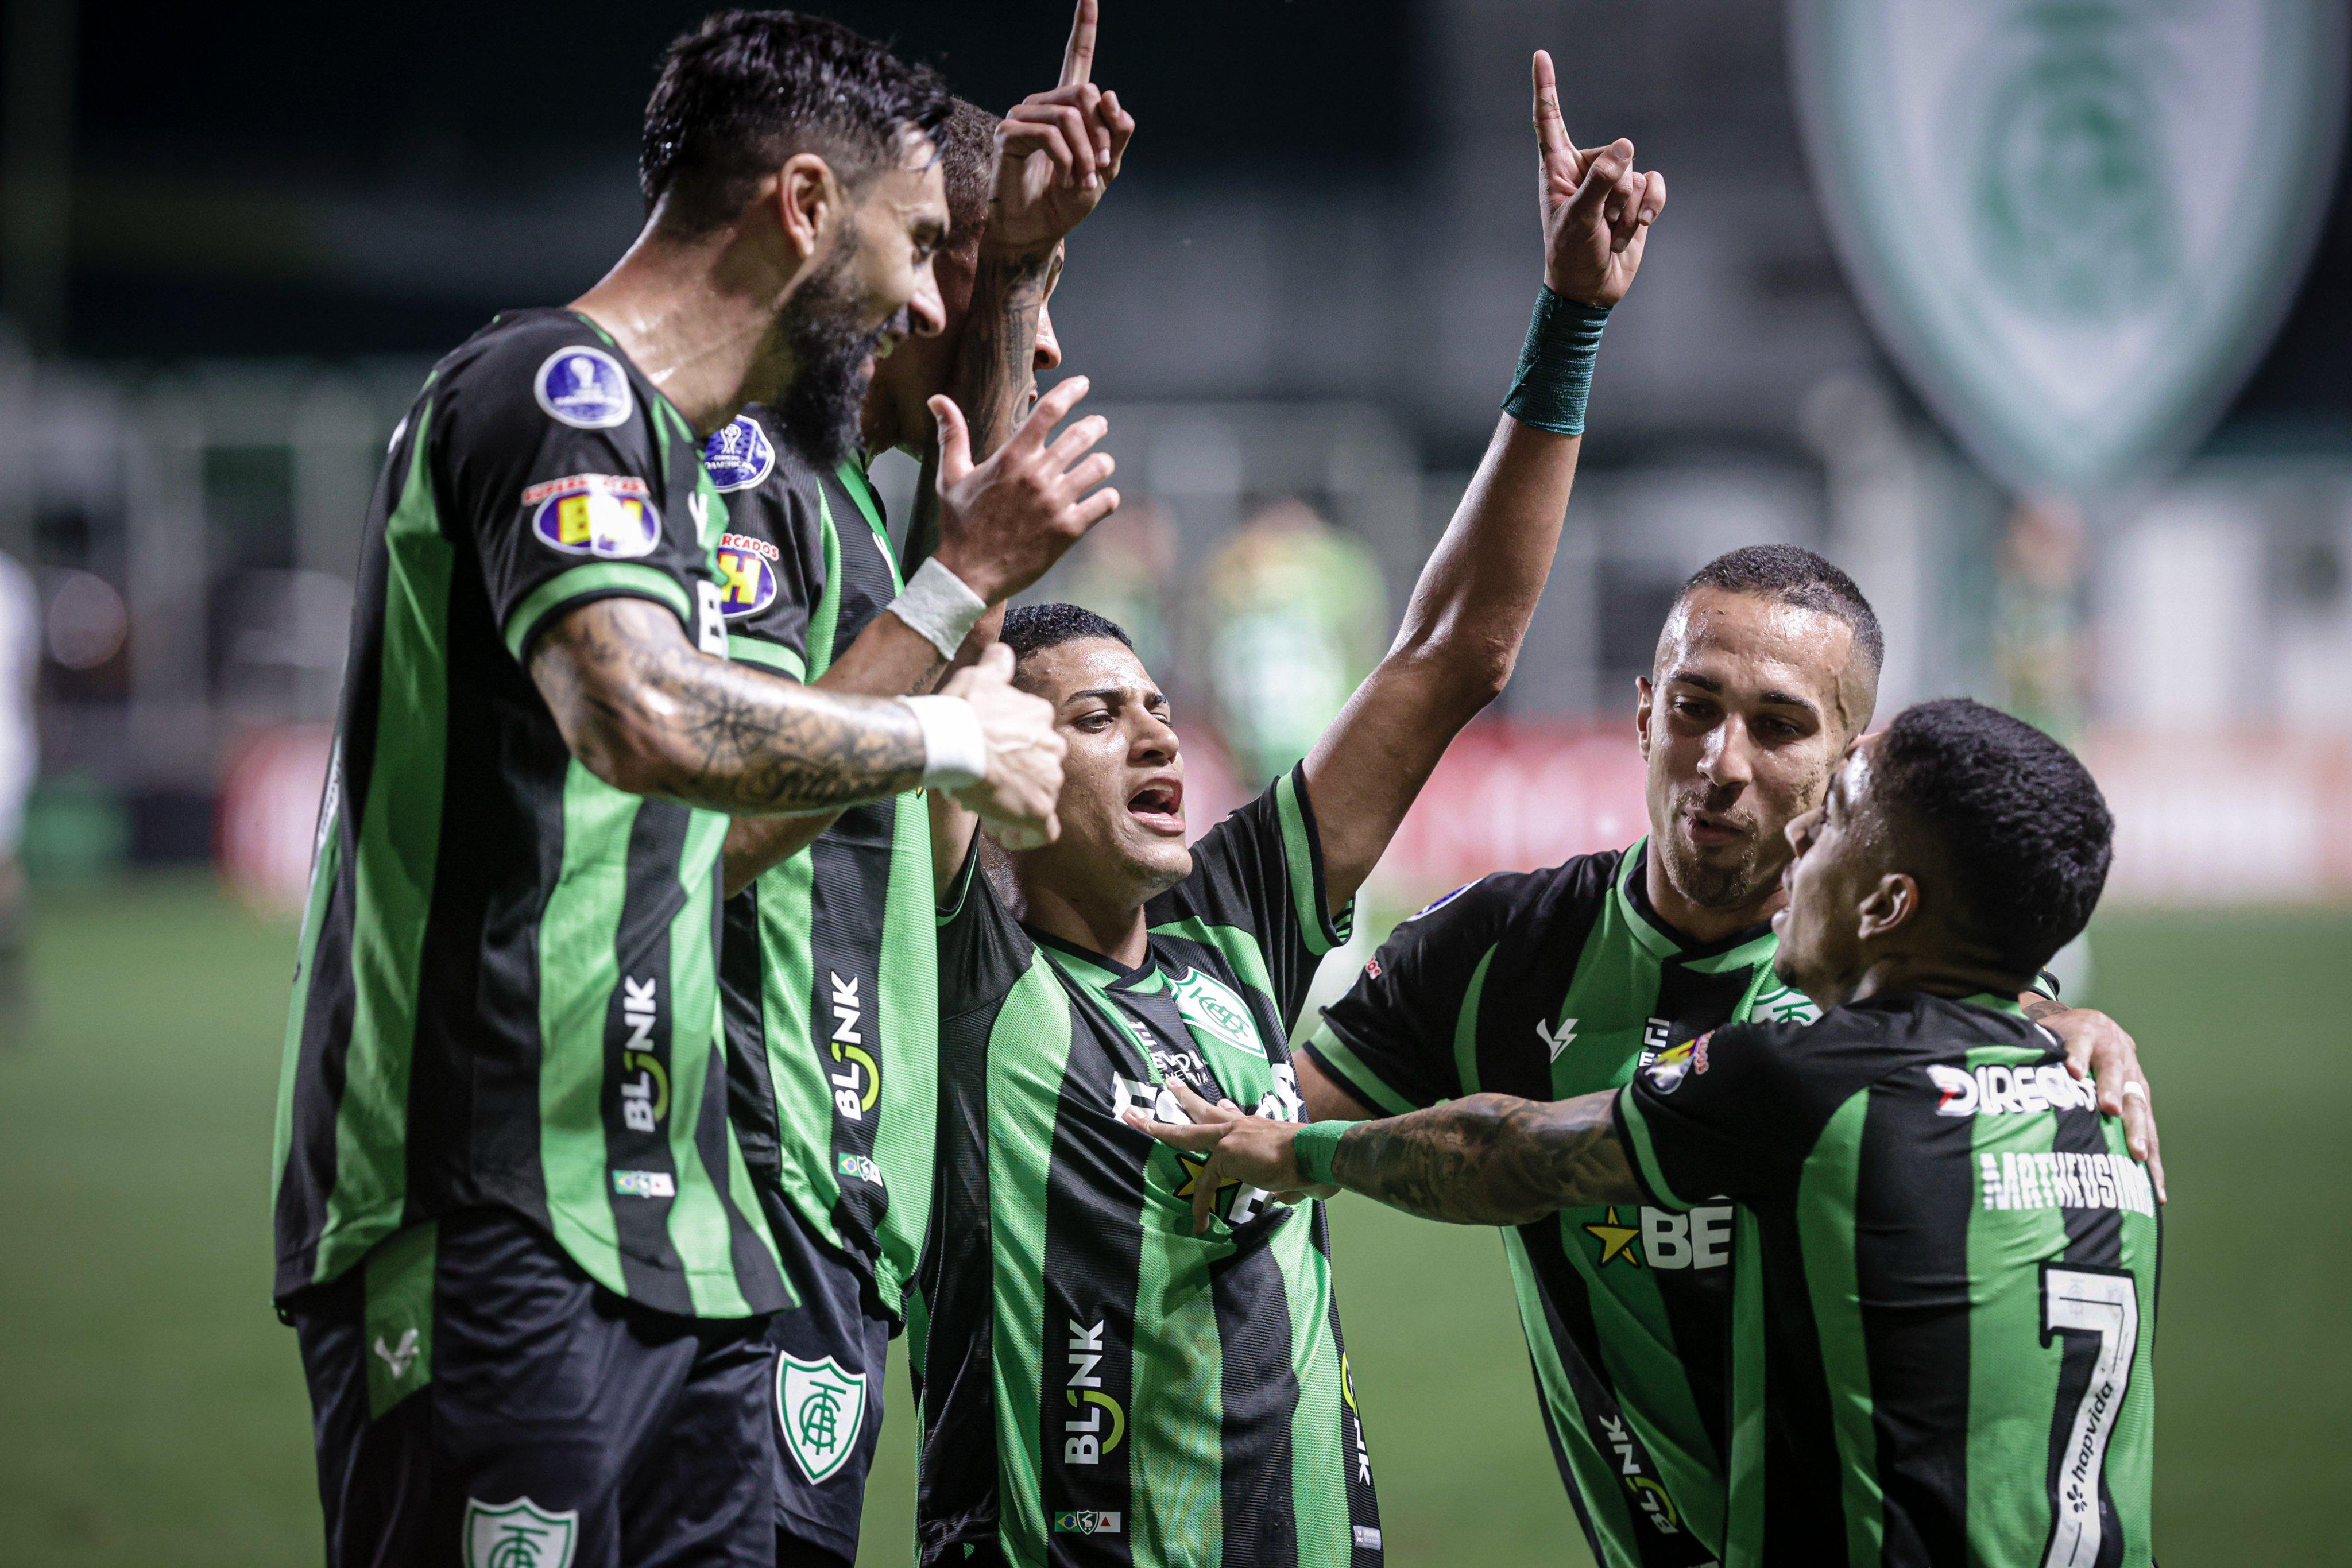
[(233, 239)]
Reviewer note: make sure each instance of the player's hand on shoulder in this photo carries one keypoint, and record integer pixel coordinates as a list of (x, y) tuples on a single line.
[(1597, 208), (1017, 797), (1057, 153), (1252, 1150), (2100, 1049), (1003, 522)]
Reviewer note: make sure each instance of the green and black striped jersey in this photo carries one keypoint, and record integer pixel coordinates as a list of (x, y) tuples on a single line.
[(1551, 983), (1098, 1384), (1945, 1308), (508, 992), (829, 959)]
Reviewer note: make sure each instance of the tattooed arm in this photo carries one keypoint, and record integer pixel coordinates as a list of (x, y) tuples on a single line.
[(646, 712), (1490, 1159), (1487, 1159)]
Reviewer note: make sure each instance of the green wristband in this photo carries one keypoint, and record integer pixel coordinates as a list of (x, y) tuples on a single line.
[(1315, 1145), (1556, 364)]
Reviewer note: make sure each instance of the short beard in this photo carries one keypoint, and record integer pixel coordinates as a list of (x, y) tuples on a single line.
[(833, 364), (1716, 885)]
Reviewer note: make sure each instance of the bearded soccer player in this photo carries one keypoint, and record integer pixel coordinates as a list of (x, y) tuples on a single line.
[(828, 962), (1562, 982), (1944, 1305), (1098, 1384), (515, 1228)]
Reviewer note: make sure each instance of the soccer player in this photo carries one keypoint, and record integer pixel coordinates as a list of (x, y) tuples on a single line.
[(1098, 1384), (1945, 1298), (515, 1229), (828, 962), (1560, 982)]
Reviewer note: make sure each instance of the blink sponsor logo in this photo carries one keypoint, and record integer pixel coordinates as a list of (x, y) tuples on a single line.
[(1097, 1423), (856, 1081), (645, 1183), (1087, 1521), (2009, 1092), (2042, 1179), (1633, 1467), (644, 1084)]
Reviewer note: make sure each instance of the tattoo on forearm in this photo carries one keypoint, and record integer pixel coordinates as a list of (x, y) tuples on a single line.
[(1489, 1159), (636, 700), (997, 371), (2040, 1007)]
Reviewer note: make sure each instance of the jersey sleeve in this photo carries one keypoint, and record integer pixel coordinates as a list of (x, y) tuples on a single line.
[(773, 562), (1394, 1041), (558, 470), (1261, 870), (1732, 1113), (982, 951)]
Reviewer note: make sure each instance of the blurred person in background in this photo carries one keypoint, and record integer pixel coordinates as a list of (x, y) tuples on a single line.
[(828, 963), (1565, 981), (1098, 1384), (1943, 1319), (1291, 621), (20, 759), (515, 1231), (1123, 572)]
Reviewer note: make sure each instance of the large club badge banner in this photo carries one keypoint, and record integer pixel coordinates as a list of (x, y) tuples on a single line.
[(2076, 223)]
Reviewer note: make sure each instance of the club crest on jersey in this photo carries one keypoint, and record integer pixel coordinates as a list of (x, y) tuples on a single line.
[(584, 387), (1207, 1004), (608, 516), (821, 1408), (740, 456), (747, 574), (520, 1534)]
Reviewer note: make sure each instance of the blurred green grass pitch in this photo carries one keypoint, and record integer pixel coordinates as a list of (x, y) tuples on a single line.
[(151, 1408)]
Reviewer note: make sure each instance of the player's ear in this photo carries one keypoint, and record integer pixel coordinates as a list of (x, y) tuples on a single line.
[(1644, 695), (808, 205), (1891, 905)]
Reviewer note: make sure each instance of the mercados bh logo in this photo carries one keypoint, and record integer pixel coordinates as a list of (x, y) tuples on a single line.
[(609, 516), (584, 387), (740, 456), (747, 574), (2076, 225)]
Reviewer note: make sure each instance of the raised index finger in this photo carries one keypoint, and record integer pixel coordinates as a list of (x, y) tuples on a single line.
[(1078, 59), (1551, 131)]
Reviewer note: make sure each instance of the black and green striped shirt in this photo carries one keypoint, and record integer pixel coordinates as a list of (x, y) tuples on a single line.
[(1098, 1384), (1547, 984), (1945, 1306), (507, 989), (829, 959)]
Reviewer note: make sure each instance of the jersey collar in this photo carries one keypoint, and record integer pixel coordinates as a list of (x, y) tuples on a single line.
[(1650, 928), (1100, 970)]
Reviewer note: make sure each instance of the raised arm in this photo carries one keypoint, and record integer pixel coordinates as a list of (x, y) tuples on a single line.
[(1469, 612), (1487, 1159)]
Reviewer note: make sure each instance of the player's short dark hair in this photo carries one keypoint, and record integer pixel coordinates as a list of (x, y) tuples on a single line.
[(747, 90), (1790, 574), (1033, 628), (2020, 821), (968, 166)]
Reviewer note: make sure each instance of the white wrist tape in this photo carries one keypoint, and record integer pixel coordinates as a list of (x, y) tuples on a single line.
[(935, 603), (955, 748)]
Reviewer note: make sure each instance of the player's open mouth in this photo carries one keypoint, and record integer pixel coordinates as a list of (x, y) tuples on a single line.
[(1708, 830), (1160, 805)]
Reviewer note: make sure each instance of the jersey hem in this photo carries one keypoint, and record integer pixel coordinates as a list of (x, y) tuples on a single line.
[(1327, 1051), (1633, 1131), (746, 650)]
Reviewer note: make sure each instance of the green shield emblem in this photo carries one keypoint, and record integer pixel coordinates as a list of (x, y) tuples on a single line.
[(1210, 1008), (519, 1534), (820, 1408), (2075, 222)]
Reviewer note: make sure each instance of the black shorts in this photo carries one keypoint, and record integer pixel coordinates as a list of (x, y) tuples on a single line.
[(481, 1403), (830, 1353)]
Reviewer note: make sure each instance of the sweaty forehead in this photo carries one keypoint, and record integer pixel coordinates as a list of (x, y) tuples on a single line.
[(1081, 665), (1747, 645)]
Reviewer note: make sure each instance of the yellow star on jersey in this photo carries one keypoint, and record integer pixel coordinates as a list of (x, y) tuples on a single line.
[(1616, 1241), (1192, 1167)]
